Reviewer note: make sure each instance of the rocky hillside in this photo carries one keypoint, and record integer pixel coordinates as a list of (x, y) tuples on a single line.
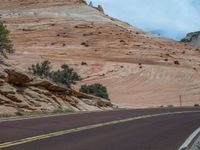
[(138, 68), (192, 38), (20, 91)]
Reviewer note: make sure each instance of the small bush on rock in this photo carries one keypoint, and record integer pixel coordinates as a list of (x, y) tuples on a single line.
[(42, 69), (66, 75), (176, 62), (5, 42), (19, 112), (96, 90)]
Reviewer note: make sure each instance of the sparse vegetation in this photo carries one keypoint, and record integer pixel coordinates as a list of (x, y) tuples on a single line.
[(5, 43), (166, 59), (176, 62), (140, 65), (85, 44), (95, 90), (59, 110), (19, 112), (42, 69), (170, 106), (84, 63), (66, 75), (5, 115), (90, 4)]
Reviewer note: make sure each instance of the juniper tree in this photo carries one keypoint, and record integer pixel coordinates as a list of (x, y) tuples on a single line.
[(5, 43), (65, 75), (42, 69)]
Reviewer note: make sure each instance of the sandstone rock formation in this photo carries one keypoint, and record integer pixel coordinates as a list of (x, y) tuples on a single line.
[(138, 68), (192, 38), (22, 91)]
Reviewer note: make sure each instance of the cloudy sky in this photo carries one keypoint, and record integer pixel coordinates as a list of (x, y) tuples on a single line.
[(170, 18)]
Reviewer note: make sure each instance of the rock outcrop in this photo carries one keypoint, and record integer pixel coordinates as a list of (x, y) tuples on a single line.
[(138, 68), (19, 90), (192, 38)]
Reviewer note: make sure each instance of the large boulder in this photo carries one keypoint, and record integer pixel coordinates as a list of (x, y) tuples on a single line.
[(17, 77)]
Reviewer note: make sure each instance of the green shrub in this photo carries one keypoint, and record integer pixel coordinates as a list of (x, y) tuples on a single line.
[(84, 63), (60, 110), (5, 42), (19, 112), (176, 62), (66, 76), (41, 69), (170, 106), (96, 90)]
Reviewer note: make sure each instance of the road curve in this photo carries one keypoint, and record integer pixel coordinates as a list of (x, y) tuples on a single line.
[(139, 129)]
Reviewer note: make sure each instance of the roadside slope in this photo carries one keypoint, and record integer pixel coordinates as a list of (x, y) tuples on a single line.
[(21, 93), (138, 68)]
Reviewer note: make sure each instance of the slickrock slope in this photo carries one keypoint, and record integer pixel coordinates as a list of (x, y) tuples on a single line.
[(138, 68), (21, 91), (192, 38)]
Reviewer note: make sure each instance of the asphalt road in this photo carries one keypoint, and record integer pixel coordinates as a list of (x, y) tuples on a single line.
[(164, 132)]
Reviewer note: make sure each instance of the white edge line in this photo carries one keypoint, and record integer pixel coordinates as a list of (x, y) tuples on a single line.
[(190, 139)]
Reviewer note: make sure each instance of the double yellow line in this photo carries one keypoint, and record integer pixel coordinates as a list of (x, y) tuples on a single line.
[(65, 132)]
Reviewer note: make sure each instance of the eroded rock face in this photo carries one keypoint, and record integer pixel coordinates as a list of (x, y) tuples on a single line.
[(192, 38), (20, 90), (1, 82), (3, 75), (36, 3), (17, 78), (48, 85)]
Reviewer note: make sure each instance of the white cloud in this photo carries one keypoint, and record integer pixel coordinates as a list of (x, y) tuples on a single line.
[(172, 18)]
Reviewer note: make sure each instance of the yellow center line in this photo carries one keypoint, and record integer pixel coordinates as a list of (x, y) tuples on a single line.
[(65, 132)]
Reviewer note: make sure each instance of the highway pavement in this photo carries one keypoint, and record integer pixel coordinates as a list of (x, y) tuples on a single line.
[(134, 129)]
